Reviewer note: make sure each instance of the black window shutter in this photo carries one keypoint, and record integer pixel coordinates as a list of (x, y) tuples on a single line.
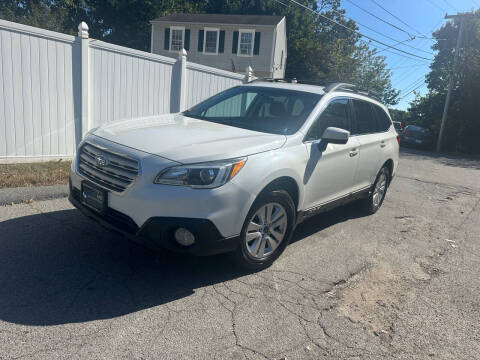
[(187, 40), (221, 41), (256, 46), (200, 40), (235, 42), (166, 39)]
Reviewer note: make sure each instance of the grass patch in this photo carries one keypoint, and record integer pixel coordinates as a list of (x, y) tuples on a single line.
[(34, 174)]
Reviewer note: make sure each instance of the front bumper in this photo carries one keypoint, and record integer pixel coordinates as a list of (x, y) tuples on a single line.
[(157, 232)]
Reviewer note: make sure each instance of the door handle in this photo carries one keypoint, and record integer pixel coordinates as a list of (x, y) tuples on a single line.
[(382, 144), (353, 152)]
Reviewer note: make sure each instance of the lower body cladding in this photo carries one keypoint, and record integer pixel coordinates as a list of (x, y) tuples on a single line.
[(163, 224)]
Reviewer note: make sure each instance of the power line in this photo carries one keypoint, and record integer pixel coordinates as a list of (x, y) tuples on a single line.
[(382, 20), (417, 65), (417, 82), (449, 4), (382, 34), (376, 47), (396, 17), (402, 55), (431, 31), (418, 87), (358, 32), (407, 66), (410, 74), (400, 43), (437, 6)]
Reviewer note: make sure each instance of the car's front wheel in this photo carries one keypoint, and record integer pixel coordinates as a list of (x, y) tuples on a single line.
[(266, 231)]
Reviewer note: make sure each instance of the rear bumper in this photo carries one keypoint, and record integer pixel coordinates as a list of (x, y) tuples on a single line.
[(158, 232)]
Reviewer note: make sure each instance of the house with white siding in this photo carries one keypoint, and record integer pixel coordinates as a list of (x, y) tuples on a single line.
[(227, 42)]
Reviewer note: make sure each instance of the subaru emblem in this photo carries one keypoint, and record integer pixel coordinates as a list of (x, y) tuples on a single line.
[(101, 160)]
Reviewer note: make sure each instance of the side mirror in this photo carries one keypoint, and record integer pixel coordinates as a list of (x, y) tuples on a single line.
[(335, 135)]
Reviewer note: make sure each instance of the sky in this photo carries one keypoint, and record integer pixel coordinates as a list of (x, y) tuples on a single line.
[(420, 18)]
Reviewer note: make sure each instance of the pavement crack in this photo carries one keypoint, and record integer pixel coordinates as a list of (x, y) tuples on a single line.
[(464, 189)]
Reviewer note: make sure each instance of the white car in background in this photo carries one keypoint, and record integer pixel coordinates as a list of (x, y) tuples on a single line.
[(238, 171)]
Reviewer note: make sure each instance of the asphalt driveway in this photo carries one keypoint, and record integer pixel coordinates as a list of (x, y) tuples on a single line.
[(403, 283)]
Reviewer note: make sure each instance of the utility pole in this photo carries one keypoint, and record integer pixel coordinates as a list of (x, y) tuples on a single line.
[(452, 76)]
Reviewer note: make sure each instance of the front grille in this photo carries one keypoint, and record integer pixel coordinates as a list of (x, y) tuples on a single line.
[(115, 173)]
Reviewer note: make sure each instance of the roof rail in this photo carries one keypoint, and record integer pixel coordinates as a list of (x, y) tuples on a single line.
[(338, 86), (293, 80), (351, 88)]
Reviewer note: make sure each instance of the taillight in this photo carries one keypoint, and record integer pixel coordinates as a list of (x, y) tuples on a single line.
[(398, 139)]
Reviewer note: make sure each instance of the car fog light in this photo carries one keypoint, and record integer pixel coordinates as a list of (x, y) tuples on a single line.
[(184, 237)]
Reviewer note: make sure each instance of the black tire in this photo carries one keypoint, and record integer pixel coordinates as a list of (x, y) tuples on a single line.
[(370, 205), (243, 256)]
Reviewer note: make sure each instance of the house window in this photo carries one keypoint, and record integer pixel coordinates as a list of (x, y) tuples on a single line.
[(177, 37), (211, 41), (245, 45)]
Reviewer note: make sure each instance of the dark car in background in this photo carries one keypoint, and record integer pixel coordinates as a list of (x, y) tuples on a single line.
[(417, 136)]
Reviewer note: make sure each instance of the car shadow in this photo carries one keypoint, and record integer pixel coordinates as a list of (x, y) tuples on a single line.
[(60, 267), (324, 220)]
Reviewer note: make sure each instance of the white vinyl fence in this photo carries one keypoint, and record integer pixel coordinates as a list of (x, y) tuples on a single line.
[(55, 87)]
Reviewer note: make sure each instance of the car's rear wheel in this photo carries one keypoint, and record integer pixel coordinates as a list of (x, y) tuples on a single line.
[(378, 191), (266, 231)]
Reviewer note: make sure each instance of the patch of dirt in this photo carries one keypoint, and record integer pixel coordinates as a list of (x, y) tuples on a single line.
[(372, 300), (374, 297)]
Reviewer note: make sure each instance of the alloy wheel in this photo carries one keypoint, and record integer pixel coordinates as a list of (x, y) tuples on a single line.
[(379, 190), (266, 230)]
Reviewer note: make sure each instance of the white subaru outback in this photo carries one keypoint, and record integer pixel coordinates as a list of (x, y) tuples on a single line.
[(238, 171)]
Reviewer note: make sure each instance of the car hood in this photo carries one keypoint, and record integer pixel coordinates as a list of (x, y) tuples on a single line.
[(187, 140)]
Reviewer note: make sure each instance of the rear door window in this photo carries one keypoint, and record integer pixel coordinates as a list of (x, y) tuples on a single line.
[(383, 121), (365, 119)]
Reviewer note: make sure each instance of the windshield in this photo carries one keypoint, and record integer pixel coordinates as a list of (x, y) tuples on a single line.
[(258, 108)]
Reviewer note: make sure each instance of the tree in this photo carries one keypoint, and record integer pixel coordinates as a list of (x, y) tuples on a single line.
[(463, 126), (400, 115), (50, 15)]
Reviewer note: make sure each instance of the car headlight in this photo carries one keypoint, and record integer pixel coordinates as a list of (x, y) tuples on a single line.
[(204, 175)]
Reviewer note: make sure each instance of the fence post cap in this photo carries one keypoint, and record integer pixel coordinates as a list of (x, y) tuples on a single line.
[(83, 30), (248, 74), (182, 54)]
